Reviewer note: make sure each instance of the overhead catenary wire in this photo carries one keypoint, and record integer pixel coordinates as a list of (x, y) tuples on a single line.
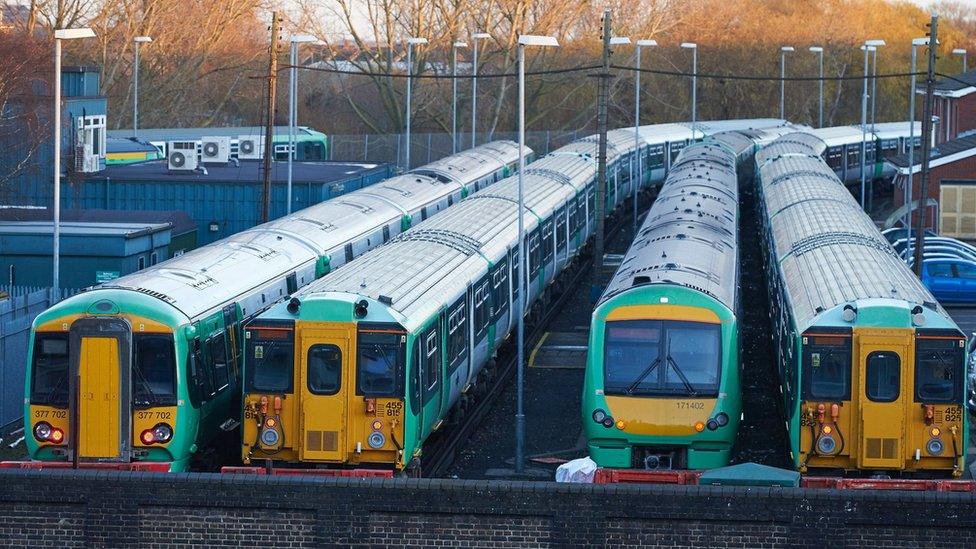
[(588, 68)]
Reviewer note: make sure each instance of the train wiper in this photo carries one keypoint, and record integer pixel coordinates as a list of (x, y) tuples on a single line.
[(688, 386), (50, 395), (647, 371), (145, 384)]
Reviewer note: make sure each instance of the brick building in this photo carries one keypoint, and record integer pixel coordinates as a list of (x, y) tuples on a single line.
[(955, 105), (951, 194)]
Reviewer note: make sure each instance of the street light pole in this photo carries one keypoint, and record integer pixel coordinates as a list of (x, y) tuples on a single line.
[(410, 44), (962, 52), (474, 86), (782, 80), (694, 85), (59, 35), (911, 138), (819, 51), (867, 47), (542, 41), (292, 107), (454, 123), (874, 87), (135, 84), (637, 148)]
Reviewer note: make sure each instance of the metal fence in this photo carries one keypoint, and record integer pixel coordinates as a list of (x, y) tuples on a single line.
[(428, 147), (17, 312)]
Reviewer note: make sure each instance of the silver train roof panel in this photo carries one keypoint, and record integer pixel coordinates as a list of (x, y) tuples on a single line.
[(828, 250), (689, 237)]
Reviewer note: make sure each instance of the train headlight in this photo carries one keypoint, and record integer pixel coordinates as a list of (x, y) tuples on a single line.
[(935, 447), (599, 415), (712, 425), (162, 433), (376, 440), (270, 437), (722, 419), (42, 431), (826, 445)]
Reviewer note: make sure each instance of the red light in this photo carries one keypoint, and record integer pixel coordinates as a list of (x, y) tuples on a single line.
[(147, 437), (57, 436)]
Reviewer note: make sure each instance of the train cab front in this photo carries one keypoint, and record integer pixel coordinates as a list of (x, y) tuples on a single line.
[(101, 392), (661, 389), (324, 386), (884, 395)]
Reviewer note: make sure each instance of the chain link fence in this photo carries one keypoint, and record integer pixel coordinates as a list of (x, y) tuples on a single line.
[(428, 147)]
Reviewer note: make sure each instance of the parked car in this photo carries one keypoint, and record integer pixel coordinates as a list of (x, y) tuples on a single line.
[(950, 279), (971, 398)]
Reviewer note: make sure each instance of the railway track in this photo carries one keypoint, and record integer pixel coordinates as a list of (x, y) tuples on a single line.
[(440, 450)]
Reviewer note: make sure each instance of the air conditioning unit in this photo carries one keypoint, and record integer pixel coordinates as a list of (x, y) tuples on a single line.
[(215, 150), (182, 156), (250, 147)]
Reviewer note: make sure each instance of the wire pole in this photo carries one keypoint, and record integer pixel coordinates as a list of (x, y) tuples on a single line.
[(926, 145), (601, 187), (269, 129)]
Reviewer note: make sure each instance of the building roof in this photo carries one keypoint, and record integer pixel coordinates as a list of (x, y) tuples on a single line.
[(178, 220), (249, 171), (958, 86), (947, 152), (125, 145), (176, 134), (80, 228)]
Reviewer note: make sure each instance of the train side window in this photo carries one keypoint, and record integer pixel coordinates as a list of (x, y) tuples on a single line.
[(291, 281), (883, 373), (482, 308), (499, 292), (349, 254), (516, 267), (535, 253), (324, 369), (386, 233), (217, 347), (432, 366), (561, 230), (827, 371), (547, 242), (457, 334)]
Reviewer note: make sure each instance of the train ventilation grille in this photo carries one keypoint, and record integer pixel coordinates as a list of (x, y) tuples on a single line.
[(882, 448), (319, 441)]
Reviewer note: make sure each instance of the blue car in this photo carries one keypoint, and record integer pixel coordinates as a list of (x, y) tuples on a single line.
[(950, 279)]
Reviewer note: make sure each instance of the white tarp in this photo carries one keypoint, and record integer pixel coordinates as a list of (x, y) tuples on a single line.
[(579, 470)]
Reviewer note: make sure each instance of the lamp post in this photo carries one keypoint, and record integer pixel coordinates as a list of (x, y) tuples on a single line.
[(523, 41), (868, 46), (59, 35), (637, 151), (782, 80), (411, 42), (292, 100), (135, 84), (454, 50), (474, 85), (911, 138), (962, 52), (819, 51), (694, 85)]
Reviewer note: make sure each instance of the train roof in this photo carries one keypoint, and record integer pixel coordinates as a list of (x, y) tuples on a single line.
[(829, 251), (689, 237), (203, 279)]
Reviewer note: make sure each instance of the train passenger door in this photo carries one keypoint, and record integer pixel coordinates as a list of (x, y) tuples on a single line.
[(431, 378), (326, 378), (100, 388), (883, 363)]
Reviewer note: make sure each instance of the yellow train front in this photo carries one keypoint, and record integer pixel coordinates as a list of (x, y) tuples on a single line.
[(324, 393)]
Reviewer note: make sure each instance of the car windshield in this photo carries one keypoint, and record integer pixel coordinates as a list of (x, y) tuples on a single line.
[(662, 358)]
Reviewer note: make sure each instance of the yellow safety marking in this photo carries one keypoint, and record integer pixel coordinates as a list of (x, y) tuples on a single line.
[(99, 398), (138, 323), (663, 312), (660, 416), (536, 349)]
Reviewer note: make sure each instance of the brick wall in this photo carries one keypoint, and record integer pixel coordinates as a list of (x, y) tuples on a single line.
[(956, 116), (66, 508), (960, 169)]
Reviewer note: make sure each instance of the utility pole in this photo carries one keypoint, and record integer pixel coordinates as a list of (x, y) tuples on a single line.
[(601, 186), (269, 128), (926, 145)]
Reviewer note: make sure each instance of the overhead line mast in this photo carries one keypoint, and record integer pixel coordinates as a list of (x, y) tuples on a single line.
[(269, 127), (601, 186), (926, 146)]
